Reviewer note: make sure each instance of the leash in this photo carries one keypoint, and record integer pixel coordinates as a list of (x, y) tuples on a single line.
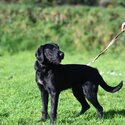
[(112, 42)]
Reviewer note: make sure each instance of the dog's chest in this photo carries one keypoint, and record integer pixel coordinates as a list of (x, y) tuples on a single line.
[(39, 78), (45, 79)]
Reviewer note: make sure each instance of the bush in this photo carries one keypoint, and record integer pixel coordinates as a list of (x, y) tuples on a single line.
[(72, 27), (119, 2)]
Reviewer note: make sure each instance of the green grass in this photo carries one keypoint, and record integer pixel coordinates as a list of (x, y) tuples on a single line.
[(20, 102)]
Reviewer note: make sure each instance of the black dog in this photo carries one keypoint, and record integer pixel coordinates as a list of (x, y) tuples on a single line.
[(52, 78)]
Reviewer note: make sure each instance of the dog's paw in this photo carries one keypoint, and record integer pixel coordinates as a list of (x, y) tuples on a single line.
[(83, 110)]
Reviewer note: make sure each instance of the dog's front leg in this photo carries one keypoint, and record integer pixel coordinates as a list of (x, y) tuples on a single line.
[(44, 97), (54, 105)]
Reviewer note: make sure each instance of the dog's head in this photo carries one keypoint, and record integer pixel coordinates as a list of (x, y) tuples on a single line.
[(49, 54)]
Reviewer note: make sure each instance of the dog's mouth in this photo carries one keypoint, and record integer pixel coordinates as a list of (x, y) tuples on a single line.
[(59, 58)]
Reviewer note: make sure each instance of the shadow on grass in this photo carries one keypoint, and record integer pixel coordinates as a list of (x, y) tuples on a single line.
[(112, 113), (6, 114)]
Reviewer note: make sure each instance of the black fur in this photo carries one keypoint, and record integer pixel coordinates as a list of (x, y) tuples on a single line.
[(53, 77)]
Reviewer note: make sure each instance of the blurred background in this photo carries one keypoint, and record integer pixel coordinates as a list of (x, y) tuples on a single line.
[(73, 24)]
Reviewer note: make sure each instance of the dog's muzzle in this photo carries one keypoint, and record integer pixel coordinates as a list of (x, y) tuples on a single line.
[(61, 55)]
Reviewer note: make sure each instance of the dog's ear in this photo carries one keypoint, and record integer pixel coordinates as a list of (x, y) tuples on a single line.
[(40, 54)]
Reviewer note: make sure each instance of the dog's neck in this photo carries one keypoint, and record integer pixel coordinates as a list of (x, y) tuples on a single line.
[(39, 67)]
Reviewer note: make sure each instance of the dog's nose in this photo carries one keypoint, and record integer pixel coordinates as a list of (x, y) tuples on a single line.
[(61, 54)]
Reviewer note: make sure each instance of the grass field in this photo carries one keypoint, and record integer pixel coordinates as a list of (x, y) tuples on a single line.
[(20, 102)]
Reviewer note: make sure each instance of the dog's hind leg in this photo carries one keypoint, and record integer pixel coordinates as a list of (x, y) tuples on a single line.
[(90, 91), (78, 93)]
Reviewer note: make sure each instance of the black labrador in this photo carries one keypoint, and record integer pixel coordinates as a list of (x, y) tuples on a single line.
[(53, 77)]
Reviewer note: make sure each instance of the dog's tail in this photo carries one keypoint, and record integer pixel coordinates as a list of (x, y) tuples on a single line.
[(108, 88)]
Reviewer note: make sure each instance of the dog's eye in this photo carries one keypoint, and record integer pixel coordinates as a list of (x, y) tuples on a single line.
[(54, 49)]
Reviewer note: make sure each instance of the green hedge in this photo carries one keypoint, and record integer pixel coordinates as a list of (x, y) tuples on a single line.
[(24, 28), (61, 2)]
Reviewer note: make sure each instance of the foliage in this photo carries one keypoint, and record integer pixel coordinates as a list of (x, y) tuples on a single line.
[(119, 2), (103, 3), (60, 2), (25, 27)]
